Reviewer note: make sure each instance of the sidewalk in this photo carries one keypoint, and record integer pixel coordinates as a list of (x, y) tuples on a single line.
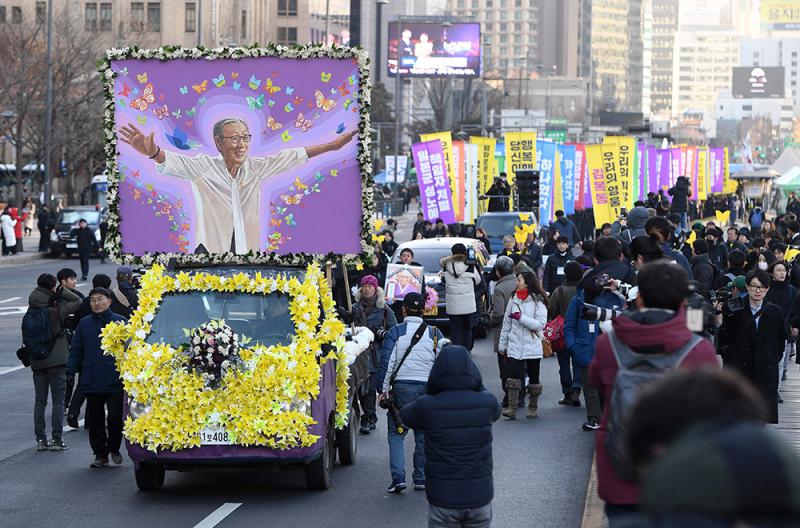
[(21, 259), (405, 223), (789, 411)]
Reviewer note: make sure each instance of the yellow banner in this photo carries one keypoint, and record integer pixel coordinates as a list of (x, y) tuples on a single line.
[(520, 155), (558, 191), (625, 164), (611, 173), (601, 205), (729, 186), (447, 147), (785, 14), (486, 166), (702, 173)]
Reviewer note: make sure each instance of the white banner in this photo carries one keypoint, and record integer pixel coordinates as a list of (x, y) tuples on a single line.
[(402, 167), (471, 157)]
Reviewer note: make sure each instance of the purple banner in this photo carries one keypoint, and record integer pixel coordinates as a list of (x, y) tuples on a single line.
[(652, 173), (676, 165), (663, 161), (716, 169), (641, 153), (434, 189)]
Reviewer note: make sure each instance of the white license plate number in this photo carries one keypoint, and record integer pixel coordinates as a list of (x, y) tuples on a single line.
[(215, 437), (72, 246)]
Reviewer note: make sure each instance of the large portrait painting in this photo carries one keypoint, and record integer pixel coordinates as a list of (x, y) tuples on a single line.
[(243, 155)]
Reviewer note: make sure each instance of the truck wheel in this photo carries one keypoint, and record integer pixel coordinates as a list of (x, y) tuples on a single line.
[(319, 472), (149, 477), (347, 439)]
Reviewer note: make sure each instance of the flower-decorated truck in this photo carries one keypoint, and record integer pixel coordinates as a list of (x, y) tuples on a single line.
[(235, 179)]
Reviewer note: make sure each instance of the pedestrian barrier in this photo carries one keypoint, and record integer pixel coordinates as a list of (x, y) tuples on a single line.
[(389, 208)]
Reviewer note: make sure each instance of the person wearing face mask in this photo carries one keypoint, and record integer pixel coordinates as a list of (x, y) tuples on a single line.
[(762, 260), (752, 338), (716, 249)]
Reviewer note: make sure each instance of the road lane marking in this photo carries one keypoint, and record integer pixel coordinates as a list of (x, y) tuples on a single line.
[(6, 370), (9, 300), (13, 310), (218, 515)]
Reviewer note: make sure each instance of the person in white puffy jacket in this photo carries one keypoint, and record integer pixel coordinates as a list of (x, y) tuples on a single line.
[(460, 281), (9, 238), (521, 342)]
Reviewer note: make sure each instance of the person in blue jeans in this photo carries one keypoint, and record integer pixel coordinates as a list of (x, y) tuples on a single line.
[(406, 359)]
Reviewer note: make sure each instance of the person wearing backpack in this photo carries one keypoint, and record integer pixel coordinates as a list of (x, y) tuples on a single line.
[(461, 281), (654, 339), (43, 335), (568, 371)]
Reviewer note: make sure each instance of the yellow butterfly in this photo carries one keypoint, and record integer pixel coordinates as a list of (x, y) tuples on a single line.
[(326, 104), (521, 232), (524, 217), (300, 186), (200, 88), (273, 125), (141, 77), (272, 88), (791, 254), (722, 217), (691, 238), (378, 224)]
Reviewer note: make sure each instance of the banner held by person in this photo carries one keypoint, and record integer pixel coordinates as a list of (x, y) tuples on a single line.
[(434, 188), (447, 148)]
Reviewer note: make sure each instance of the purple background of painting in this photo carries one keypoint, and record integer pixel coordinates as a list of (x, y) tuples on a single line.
[(144, 232)]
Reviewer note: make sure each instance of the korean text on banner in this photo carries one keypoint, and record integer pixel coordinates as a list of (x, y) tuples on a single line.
[(583, 193), (486, 162), (458, 181), (471, 156), (434, 187), (520, 154), (625, 149), (729, 186), (640, 170), (611, 173), (546, 162), (447, 147), (702, 173), (568, 177), (558, 183), (690, 170), (600, 200)]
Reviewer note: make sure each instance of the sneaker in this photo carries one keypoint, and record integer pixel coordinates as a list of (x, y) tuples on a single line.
[(57, 444), (576, 398), (397, 487), (116, 458), (419, 485), (591, 425), (72, 421), (41, 444), (99, 462), (372, 426), (364, 429)]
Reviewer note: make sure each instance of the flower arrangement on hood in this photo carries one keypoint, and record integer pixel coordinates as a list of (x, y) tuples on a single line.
[(261, 398)]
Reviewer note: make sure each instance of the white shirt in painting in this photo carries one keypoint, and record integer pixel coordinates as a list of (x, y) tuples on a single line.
[(228, 208)]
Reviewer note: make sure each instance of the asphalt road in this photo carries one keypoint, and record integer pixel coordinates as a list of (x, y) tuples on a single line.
[(541, 466)]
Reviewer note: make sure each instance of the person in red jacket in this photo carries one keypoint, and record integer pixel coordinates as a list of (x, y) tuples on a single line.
[(18, 227), (657, 326)]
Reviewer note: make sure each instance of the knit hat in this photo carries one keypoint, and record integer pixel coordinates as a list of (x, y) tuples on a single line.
[(369, 279), (522, 267)]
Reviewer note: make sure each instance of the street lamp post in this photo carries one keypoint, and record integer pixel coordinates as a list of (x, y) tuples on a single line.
[(327, 19), (48, 117), (378, 27)]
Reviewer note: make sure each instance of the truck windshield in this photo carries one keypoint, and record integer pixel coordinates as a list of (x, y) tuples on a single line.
[(498, 226), (263, 318)]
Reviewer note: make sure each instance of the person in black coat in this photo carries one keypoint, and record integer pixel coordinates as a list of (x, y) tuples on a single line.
[(703, 270), (498, 194), (456, 416), (752, 339), (86, 243), (554, 267), (680, 193), (716, 249)]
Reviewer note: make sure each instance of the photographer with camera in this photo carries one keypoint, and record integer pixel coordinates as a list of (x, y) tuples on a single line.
[(406, 358), (370, 310), (752, 337)]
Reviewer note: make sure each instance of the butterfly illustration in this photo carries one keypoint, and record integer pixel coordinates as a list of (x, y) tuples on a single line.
[(272, 88), (270, 103), (280, 209), (286, 137), (319, 177), (141, 119), (351, 80), (137, 194), (316, 115), (200, 88), (177, 114), (191, 112), (135, 91), (290, 220), (234, 75), (181, 140), (273, 125), (161, 97), (121, 102), (147, 98), (325, 77), (201, 101), (125, 90), (347, 104), (141, 77), (340, 128), (292, 199), (255, 103), (302, 123), (343, 91), (313, 189), (236, 85), (326, 104), (273, 222), (333, 91), (289, 90), (219, 82), (276, 237), (124, 71), (161, 112), (298, 184), (334, 172), (189, 122), (254, 83), (298, 100), (183, 90), (288, 108)]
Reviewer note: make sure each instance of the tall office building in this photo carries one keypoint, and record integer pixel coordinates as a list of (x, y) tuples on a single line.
[(611, 53), (557, 46), (664, 26)]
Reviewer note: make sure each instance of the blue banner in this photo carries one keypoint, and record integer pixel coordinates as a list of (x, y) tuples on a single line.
[(567, 155), (545, 163)]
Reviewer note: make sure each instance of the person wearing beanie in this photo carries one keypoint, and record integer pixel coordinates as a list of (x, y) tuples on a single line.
[(568, 372), (554, 267), (461, 281), (53, 303)]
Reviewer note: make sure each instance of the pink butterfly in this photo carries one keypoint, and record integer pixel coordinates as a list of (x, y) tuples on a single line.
[(302, 123), (161, 112)]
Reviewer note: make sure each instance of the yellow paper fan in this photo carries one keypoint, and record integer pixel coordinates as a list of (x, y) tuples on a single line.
[(722, 217)]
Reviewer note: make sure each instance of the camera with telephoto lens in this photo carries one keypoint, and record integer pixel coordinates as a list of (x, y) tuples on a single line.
[(390, 404), (590, 312)]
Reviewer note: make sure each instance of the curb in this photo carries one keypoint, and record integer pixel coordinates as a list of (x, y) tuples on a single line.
[(21, 260), (593, 512)]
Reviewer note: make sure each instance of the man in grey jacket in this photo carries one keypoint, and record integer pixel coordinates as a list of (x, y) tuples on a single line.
[(49, 374), (504, 287), (410, 378)]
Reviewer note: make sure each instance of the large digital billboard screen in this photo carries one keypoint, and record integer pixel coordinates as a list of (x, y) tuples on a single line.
[(425, 49), (758, 82)]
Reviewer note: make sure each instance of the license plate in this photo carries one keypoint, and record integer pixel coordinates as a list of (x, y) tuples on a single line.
[(432, 311), (216, 436), (72, 246)]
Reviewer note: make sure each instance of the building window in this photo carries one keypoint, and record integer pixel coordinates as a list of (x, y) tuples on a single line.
[(747, 107), (16, 15), (287, 7), (474, 4), (244, 24), (154, 17), (461, 4), (137, 16), (90, 17), (105, 17), (501, 26), (517, 3), (2, 14), (287, 35), (517, 26), (190, 17), (40, 12)]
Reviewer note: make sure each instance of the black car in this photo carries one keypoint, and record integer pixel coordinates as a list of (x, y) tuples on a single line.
[(62, 239)]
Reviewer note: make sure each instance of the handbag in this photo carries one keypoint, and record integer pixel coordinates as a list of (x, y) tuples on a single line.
[(554, 333)]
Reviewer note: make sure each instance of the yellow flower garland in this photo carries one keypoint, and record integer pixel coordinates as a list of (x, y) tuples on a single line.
[(259, 405)]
